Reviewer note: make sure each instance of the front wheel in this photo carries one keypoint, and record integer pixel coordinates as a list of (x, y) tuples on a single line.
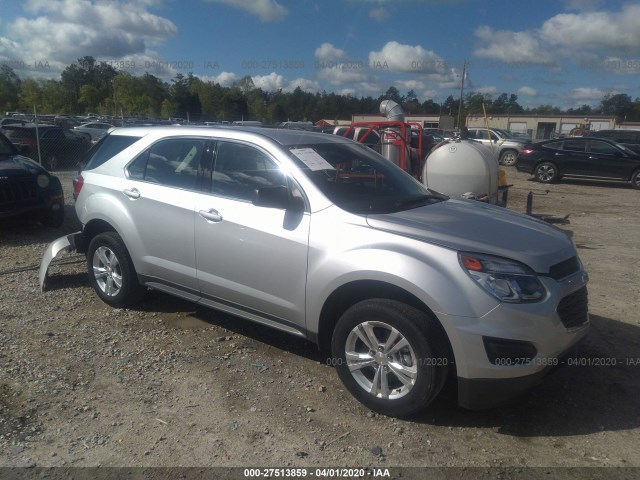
[(635, 180), (546, 172), (390, 356), (111, 271)]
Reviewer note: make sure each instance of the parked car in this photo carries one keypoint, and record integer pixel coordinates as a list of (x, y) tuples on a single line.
[(581, 157), (27, 190), (12, 121), (59, 148), (506, 148), (629, 138), (323, 238), (95, 130)]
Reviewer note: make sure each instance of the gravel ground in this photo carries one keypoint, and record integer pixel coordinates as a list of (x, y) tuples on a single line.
[(169, 384)]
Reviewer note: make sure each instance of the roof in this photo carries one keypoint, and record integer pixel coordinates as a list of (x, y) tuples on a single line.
[(285, 137)]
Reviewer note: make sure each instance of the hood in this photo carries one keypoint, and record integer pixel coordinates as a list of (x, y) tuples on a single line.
[(468, 225), (18, 164)]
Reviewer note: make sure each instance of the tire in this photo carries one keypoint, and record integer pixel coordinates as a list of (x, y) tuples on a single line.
[(393, 381), (111, 271), (546, 172), (51, 163), (635, 180), (508, 157)]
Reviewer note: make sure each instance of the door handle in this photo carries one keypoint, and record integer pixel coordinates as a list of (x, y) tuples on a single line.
[(211, 215), (132, 193)]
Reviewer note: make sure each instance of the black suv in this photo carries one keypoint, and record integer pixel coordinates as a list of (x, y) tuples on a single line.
[(59, 148), (629, 138), (27, 189)]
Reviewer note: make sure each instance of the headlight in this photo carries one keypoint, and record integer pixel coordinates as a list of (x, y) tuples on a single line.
[(507, 280), (43, 180)]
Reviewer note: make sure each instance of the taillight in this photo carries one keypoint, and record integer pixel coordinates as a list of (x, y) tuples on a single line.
[(78, 182), (526, 151)]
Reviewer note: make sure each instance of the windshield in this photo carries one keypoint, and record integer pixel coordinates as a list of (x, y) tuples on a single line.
[(6, 147), (359, 180)]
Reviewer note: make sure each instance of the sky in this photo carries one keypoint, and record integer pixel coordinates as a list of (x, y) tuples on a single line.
[(565, 53)]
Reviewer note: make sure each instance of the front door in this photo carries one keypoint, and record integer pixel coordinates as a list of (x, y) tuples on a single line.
[(250, 258)]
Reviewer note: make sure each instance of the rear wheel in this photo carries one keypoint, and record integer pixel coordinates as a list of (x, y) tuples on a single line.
[(390, 356), (111, 271), (635, 180), (508, 157), (546, 172)]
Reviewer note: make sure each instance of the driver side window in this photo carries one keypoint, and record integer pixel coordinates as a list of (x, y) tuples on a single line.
[(240, 169)]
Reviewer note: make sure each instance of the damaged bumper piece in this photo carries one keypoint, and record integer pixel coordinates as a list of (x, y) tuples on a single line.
[(68, 243)]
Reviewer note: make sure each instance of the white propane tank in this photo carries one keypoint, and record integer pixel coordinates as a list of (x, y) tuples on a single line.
[(462, 168)]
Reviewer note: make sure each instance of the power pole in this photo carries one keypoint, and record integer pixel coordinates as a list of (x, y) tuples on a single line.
[(464, 73)]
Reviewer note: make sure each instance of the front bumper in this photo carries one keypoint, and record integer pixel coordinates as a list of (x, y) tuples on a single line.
[(69, 243), (510, 349)]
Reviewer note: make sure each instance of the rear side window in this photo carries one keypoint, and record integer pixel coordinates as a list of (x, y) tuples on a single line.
[(18, 133), (106, 148), (574, 145), (174, 163)]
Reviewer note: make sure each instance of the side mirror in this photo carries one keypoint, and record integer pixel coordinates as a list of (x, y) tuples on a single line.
[(277, 197)]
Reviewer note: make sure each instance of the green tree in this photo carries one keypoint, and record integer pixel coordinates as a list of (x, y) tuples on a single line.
[(86, 71), (9, 88), (619, 104)]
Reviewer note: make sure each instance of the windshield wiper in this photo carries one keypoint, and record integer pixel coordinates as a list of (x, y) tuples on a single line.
[(419, 201)]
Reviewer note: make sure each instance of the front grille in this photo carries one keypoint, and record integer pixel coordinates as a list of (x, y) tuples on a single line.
[(573, 309), (16, 192), (564, 269)]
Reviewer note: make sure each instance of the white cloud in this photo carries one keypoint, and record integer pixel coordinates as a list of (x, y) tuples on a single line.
[(485, 90), (397, 57), (270, 83), (341, 73), (347, 92), (584, 37), (265, 10), (65, 30), (379, 14), (304, 84), (511, 47), (410, 84), (587, 94), (226, 79), (608, 31), (327, 51), (527, 91)]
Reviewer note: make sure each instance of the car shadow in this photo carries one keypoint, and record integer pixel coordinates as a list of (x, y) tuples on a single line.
[(586, 182), (158, 302), (595, 390)]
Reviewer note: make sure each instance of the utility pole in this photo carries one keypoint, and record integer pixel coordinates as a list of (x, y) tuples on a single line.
[(464, 73)]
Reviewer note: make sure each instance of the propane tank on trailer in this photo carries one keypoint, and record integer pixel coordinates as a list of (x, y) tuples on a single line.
[(392, 141), (462, 168)]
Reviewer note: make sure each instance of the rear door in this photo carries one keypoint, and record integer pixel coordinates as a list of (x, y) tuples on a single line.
[(250, 258), (160, 196), (572, 159)]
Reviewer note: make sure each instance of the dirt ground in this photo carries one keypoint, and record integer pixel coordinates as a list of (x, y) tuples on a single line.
[(169, 384)]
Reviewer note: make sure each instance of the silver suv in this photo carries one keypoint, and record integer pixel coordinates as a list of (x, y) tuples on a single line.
[(323, 238), (507, 148)]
